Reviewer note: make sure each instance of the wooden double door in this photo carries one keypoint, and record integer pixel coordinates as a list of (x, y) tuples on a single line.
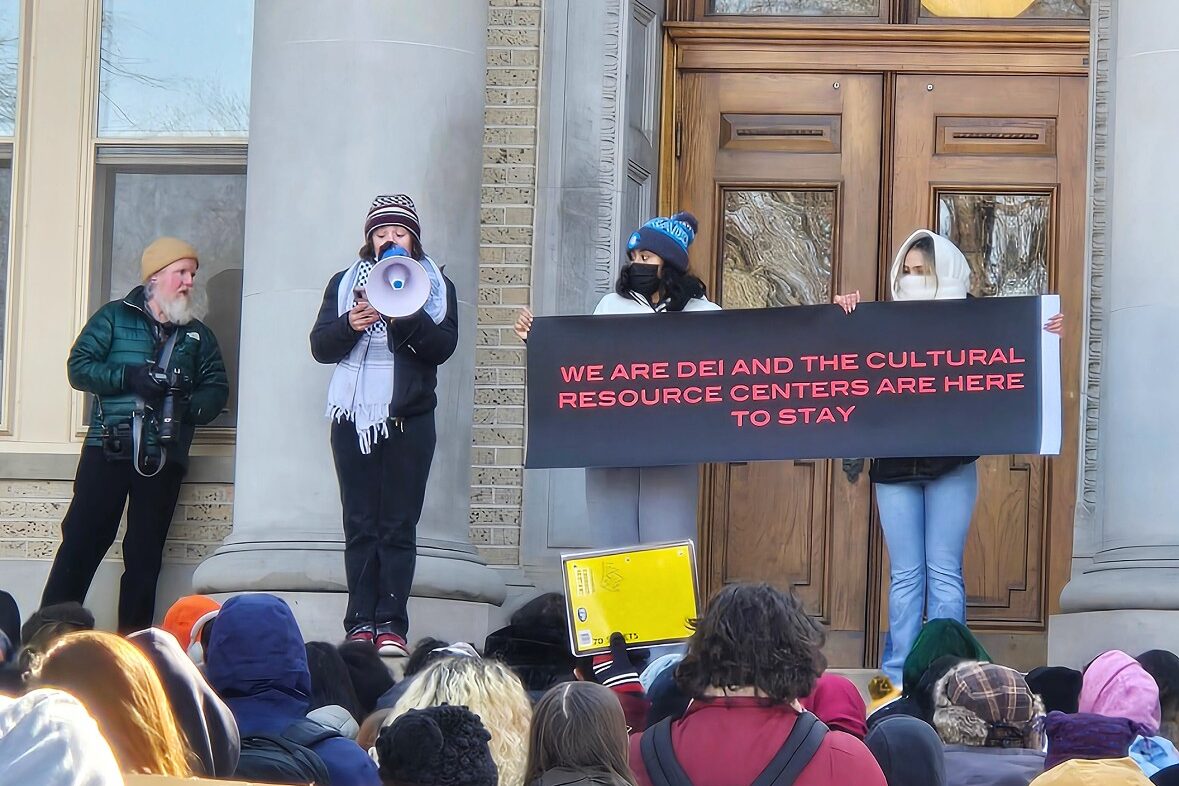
[(805, 185)]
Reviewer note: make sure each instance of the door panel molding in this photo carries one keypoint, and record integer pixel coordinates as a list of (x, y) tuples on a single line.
[(1004, 136), (957, 49), (781, 133)]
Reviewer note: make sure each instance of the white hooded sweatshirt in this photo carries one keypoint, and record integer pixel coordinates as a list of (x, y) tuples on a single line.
[(614, 303), (47, 738), (952, 279)]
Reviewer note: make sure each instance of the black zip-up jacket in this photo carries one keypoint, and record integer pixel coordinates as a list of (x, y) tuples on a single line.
[(419, 347), (915, 470)]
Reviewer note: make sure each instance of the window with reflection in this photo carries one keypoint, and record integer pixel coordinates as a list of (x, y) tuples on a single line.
[(9, 71), (777, 247), (795, 7), (202, 204), (170, 150), (1005, 237), (175, 68)]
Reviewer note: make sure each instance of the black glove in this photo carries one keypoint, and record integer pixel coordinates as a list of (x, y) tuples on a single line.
[(138, 380), (615, 670)]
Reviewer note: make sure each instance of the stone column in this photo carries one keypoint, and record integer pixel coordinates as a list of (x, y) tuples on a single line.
[(1128, 596), (350, 99)]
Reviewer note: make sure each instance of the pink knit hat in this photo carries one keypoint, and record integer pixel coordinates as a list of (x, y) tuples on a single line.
[(1117, 687)]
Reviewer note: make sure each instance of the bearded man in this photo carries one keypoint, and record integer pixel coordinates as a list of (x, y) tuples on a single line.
[(155, 373)]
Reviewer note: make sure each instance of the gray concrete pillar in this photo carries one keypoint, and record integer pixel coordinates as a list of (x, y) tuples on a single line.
[(1128, 597), (350, 99)]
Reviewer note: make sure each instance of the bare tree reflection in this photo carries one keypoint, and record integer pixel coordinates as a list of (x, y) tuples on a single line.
[(196, 105), (797, 7), (777, 248), (1004, 238)]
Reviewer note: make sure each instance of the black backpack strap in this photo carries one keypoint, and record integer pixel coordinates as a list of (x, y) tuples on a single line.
[(663, 768), (796, 752), (309, 733), (297, 754)]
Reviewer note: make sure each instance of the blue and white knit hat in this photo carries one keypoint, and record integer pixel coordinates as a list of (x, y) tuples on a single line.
[(667, 237)]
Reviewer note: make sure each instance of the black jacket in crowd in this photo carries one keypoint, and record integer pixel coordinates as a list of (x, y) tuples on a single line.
[(418, 344), (915, 470)]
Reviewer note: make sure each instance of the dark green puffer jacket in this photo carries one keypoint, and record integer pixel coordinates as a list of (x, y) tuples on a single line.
[(120, 334)]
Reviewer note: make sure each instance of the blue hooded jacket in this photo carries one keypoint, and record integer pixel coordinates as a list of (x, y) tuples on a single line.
[(258, 664)]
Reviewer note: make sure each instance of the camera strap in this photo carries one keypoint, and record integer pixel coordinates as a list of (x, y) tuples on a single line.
[(138, 417)]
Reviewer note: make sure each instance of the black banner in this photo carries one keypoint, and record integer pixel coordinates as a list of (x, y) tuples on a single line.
[(930, 378)]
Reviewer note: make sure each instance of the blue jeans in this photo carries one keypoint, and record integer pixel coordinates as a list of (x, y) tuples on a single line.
[(925, 526)]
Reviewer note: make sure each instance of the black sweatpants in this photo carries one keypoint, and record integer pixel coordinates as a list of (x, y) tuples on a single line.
[(382, 495), (101, 489)]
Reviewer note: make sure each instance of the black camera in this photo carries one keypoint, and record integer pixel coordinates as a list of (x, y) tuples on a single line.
[(172, 408)]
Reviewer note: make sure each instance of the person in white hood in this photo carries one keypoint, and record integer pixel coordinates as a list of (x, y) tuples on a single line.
[(631, 505), (925, 504), (48, 738)]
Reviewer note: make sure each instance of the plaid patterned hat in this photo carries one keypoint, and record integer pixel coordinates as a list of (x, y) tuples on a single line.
[(999, 696)]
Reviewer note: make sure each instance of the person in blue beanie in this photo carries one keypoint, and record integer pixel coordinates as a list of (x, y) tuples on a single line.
[(632, 505)]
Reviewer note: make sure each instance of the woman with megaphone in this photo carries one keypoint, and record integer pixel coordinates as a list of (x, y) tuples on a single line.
[(629, 505), (386, 323)]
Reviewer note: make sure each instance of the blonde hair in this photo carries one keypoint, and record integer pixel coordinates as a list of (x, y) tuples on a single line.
[(119, 686), (487, 688)]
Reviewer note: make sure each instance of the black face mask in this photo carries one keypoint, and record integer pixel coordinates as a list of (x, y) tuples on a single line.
[(644, 279)]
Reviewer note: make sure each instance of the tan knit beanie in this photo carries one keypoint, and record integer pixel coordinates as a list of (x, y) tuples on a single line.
[(163, 252)]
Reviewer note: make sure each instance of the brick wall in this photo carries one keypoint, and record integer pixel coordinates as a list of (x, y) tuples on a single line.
[(505, 259), (31, 513)]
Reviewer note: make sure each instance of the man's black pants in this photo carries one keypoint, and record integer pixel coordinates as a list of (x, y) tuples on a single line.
[(382, 494), (101, 489)]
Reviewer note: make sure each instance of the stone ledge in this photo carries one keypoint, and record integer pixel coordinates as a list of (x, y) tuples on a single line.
[(320, 616), (1076, 639), (62, 466)]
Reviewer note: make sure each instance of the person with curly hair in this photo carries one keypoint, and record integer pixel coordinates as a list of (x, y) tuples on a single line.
[(487, 688), (753, 656)]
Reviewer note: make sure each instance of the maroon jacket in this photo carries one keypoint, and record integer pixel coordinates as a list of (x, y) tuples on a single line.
[(729, 741)]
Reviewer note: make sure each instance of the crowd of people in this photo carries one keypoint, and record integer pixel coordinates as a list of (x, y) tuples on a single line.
[(233, 693)]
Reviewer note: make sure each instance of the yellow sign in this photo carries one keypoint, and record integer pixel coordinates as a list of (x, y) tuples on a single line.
[(648, 594)]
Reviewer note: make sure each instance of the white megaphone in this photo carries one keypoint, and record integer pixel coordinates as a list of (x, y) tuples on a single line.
[(398, 285)]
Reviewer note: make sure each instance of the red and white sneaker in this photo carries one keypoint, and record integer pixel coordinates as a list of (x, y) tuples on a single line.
[(391, 645), (363, 633)]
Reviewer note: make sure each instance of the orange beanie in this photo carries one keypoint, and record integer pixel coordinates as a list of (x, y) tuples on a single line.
[(184, 614)]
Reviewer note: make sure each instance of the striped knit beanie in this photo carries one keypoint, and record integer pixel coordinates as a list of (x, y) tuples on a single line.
[(392, 210)]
